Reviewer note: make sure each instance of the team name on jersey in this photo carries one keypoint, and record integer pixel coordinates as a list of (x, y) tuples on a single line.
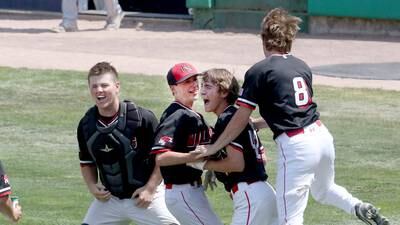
[(200, 138)]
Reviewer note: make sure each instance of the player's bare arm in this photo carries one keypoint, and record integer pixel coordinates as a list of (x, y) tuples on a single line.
[(89, 174), (259, 123), (234, 162), (144, 195), (170, 158), (233, 129)]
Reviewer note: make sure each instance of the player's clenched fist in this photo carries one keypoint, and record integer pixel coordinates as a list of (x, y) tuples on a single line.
[(100, 193)]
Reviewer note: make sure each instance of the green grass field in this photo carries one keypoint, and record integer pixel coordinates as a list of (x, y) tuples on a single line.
[(39, 112)]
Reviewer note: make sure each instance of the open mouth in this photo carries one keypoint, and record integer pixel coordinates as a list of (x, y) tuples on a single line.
[(100, 97), (206, 101)]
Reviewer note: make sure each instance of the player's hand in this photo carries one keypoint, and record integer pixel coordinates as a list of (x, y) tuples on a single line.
[(210, 180), (197, 165), (143, 197), (17, 213), (205, 150), (193, 155), (101, 193)]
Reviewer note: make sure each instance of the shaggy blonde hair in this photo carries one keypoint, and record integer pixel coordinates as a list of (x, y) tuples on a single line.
[(225, 81), (279, 29)]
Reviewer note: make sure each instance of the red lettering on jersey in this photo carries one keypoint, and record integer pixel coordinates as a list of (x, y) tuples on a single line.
[(5, 179), (299, 84), (165, 139), (200, 138), (301, 96)]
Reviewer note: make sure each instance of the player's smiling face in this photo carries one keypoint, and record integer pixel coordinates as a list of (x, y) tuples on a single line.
[(187, 91), (105, 90), (214, 99)]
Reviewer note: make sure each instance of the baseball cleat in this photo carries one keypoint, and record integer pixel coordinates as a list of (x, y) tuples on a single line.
[(370, 215)]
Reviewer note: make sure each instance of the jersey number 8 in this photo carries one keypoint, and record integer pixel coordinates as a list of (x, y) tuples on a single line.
[(300, 91)]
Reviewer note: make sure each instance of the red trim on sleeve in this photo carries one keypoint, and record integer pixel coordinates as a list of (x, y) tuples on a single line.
[(236, 148), (5, 193), (87, 164), (243, 104), (158, 151)]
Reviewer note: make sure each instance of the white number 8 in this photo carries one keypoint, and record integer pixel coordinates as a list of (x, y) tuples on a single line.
[(300, 91)]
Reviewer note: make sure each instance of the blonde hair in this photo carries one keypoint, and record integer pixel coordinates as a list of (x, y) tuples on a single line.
[(225, 81), (279, 29)]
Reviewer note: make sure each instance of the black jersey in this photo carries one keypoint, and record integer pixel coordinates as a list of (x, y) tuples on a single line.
[(181, 129), (249, 144), (5, 188), (281, 85), (110, 156)]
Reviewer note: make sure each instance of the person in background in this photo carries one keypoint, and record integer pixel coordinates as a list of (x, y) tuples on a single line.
[(70, 11), (9, 208)]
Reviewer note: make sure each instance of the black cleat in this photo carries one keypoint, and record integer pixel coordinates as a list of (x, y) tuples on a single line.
[(370, 215)]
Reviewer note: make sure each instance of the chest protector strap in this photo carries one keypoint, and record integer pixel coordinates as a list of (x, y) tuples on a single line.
[(115, 131)]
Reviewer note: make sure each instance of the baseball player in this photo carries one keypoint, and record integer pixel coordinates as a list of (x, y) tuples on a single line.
[(7, 207), (242, 171), (281, 85), (115, 139), (180, 130)]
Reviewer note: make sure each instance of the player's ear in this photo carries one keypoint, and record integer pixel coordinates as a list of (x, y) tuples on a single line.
[(224, 94), (172, 88), (117, 85)]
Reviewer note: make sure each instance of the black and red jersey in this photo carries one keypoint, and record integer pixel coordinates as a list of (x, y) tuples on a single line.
[(248, 143), (181, 129), (5, 188), (281, 85)]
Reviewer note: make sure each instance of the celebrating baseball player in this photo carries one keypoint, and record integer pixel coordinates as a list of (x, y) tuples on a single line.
[(242, 170), (180, 130), (9, 208), (115, 139), (281, 85)]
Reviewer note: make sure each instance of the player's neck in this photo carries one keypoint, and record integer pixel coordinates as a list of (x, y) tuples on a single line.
[(109, 111), (221, 108), (274, 52)]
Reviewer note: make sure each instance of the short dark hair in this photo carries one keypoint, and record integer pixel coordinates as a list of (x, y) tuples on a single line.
[(103, 68)]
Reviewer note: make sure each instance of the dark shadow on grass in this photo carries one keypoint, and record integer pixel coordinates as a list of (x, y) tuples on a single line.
[(369, 71)]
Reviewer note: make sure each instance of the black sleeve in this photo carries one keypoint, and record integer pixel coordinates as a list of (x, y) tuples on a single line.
[(248, 95), (84, 155), (220, 126), (164, 138), (5, 188), (149, 125)]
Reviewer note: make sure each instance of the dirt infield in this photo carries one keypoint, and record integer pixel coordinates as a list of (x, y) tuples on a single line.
[(152, 47)]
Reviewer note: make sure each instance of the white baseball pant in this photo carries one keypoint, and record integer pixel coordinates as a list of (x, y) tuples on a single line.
[(70, 11), (254, 204), (122, 211), (190, 206), (306, 162)]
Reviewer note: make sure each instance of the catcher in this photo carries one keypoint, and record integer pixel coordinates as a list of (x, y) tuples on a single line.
[(240, 165)]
